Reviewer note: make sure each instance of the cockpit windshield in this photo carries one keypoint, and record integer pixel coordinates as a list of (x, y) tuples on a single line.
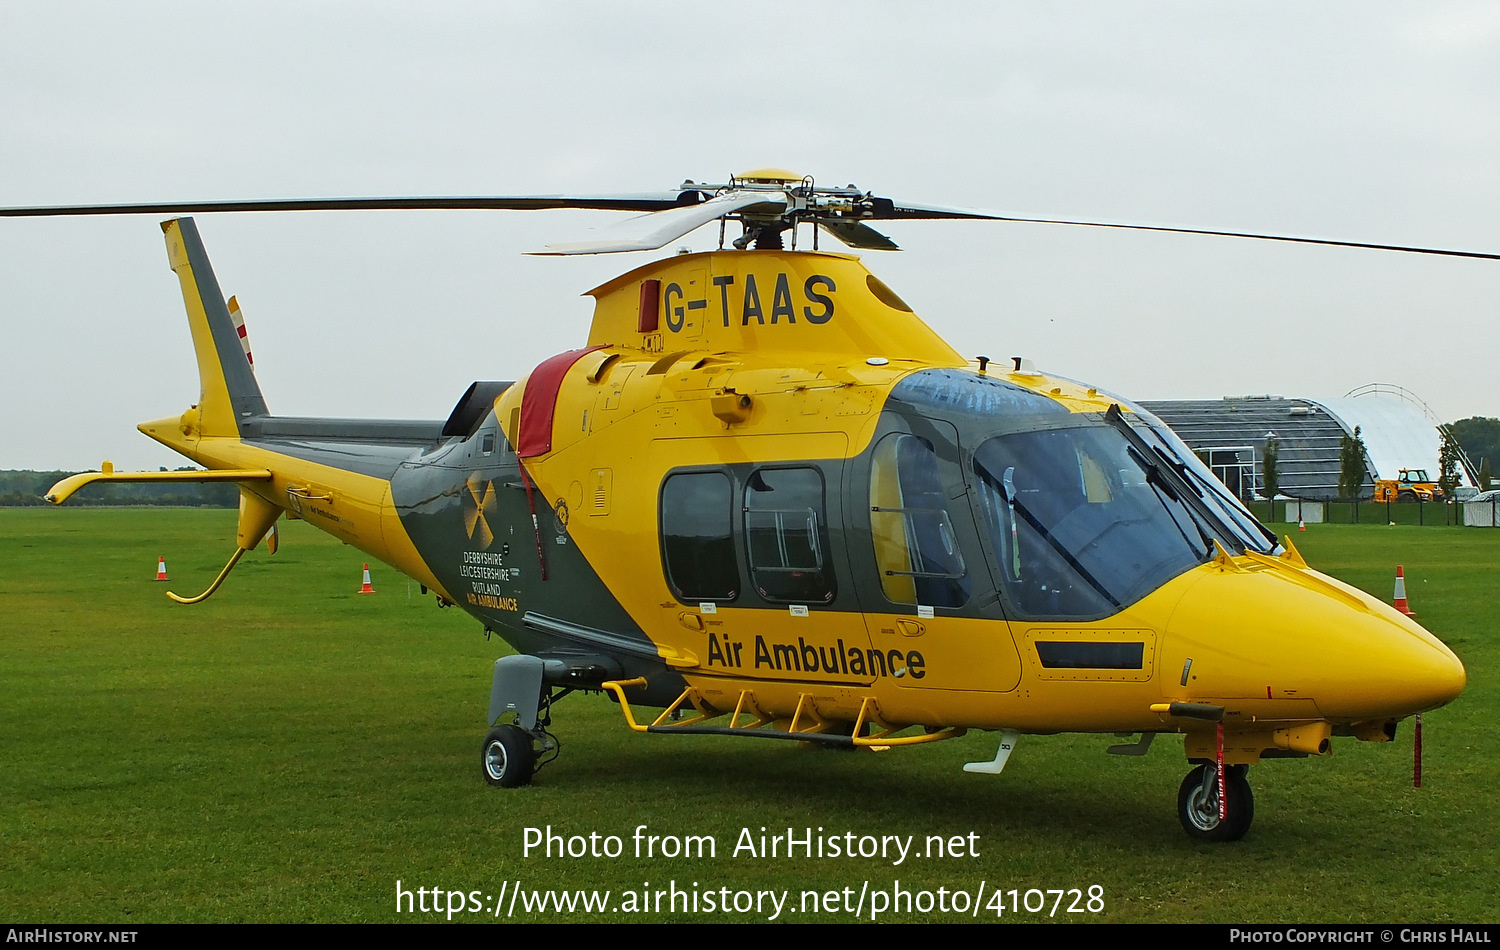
[(1083, 522), (1084, 514)]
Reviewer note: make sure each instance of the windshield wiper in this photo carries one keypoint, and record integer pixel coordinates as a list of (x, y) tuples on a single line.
[(1220, 498), (1154, 476), (1164, 489), (1169, 473)]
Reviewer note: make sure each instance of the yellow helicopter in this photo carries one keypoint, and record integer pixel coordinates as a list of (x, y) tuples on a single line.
[(766, 500)]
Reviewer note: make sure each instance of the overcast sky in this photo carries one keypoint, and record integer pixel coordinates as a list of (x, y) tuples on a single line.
[(1360, 121)]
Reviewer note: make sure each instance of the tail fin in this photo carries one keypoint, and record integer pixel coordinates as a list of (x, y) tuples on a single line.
[(229, 390)]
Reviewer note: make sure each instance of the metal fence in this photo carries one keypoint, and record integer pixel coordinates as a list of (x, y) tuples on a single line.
[(1422, 513)]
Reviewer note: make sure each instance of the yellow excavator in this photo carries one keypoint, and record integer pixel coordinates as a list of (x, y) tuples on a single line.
[(1411, 484)]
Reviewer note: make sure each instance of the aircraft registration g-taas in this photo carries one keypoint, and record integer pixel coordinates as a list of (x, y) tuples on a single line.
[(766, 498)]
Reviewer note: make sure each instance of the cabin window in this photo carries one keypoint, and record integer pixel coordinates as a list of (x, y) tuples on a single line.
[(916, 549), (786, 535), (697, 513)]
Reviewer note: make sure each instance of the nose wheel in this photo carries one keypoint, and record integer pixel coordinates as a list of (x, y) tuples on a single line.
[(1198, 803), (508, 757)]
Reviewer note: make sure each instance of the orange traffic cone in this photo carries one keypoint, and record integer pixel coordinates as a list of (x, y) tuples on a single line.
[(161, 568), (1301, 525), (366, 588), (1400, 597)]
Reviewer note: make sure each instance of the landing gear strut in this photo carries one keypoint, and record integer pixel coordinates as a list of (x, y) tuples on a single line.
[(516, 751), (512, 754), (1198, 804)]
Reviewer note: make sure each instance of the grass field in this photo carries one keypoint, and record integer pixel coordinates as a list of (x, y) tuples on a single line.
[(288, 751)]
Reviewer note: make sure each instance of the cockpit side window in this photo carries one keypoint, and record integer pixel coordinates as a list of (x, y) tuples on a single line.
[(916, 549), (786, 536)]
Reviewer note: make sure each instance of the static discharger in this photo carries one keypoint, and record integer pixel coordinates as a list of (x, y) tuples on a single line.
[(1416, 756)]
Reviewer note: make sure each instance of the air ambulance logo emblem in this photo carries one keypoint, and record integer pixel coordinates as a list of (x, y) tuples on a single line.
[(479, 507)]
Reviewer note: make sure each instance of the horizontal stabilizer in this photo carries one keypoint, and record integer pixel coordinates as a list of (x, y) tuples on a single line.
[(66, 488)]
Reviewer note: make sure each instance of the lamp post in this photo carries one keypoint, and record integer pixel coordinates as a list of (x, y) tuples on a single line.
[(1269, 477)]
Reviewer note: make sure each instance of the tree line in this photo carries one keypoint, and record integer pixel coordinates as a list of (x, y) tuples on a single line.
[(1480, 438)]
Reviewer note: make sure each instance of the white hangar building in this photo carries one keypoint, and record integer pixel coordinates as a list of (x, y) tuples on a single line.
[(1230, 434)]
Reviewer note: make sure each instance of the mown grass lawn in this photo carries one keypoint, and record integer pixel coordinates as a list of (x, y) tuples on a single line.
[(289, 750)]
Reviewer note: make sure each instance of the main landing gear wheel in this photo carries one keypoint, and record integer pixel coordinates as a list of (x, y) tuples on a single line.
[(1198, 804), (508, 757)]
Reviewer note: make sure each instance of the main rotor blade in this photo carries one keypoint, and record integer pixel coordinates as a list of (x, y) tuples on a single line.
[(889, 210), (652, 201), (1287, 238), (651, 231), (633, 235)]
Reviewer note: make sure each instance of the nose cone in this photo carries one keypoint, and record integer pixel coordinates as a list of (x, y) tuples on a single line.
[(1398, 669), (1295, 638)]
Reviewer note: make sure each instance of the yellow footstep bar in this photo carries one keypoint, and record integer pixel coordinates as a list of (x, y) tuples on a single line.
[(805, 725)]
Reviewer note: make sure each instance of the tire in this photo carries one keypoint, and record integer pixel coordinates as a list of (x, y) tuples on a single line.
[(1407, 498), (1199, 812), (508, 757)]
